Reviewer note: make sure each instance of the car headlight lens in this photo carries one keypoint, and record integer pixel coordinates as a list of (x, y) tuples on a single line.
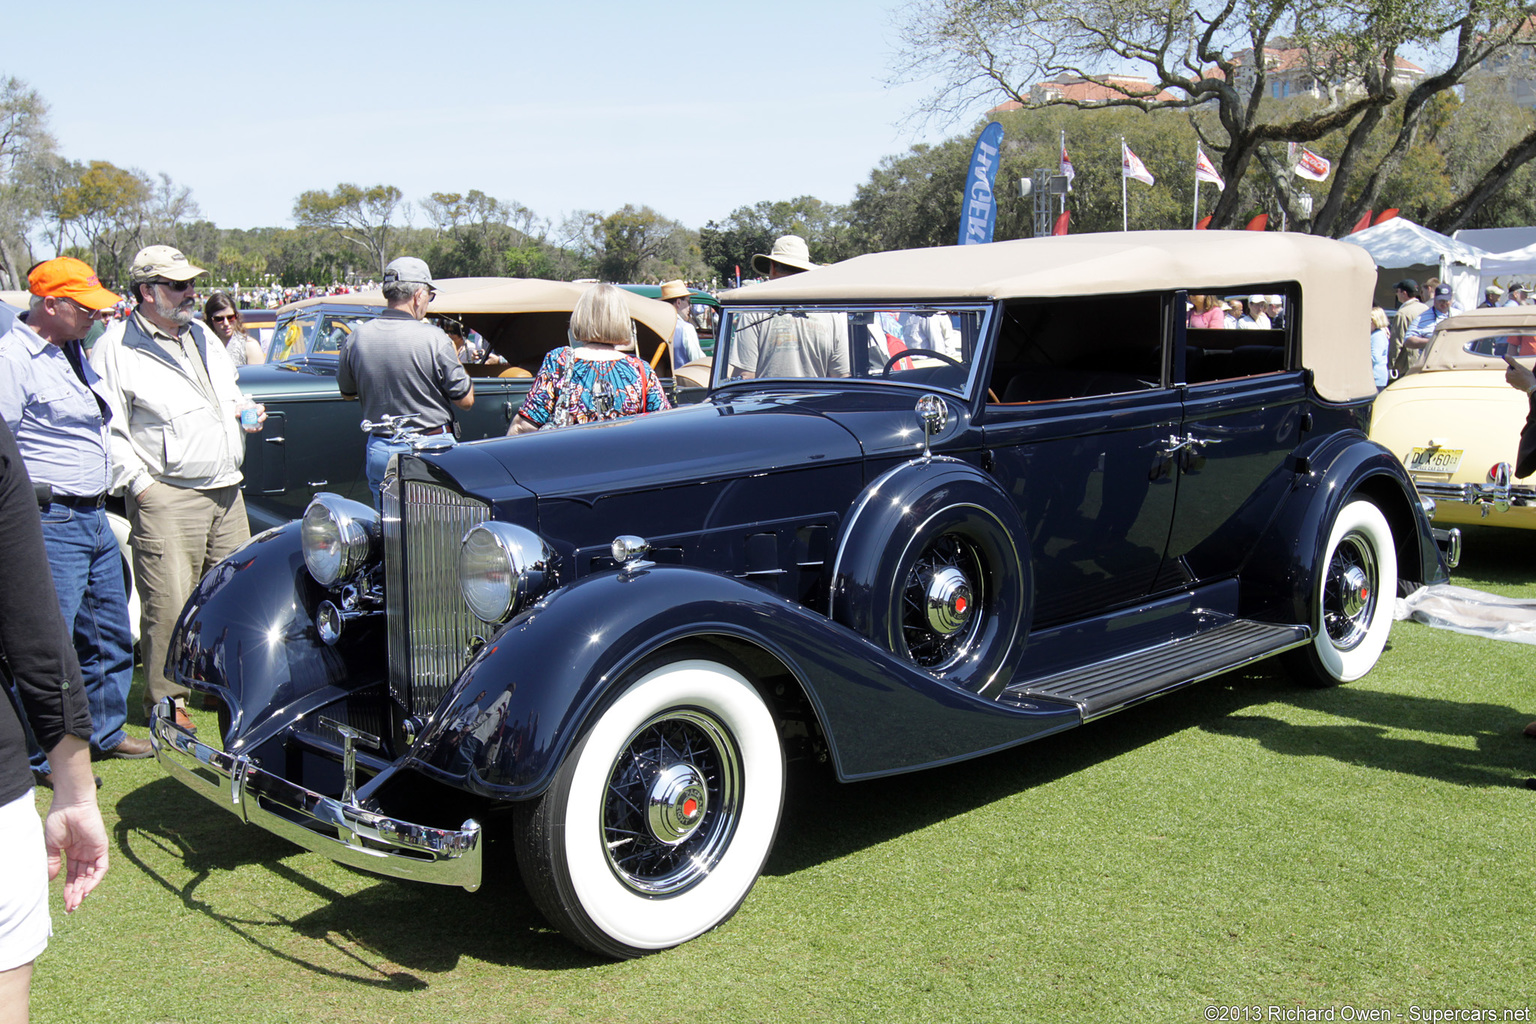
[(503, 569), (339, 537)]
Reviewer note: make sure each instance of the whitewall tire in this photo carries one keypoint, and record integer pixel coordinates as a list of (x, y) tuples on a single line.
[(660, 818), (1352, 598)]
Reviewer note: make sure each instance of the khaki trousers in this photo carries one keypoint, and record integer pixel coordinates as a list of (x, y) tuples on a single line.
[(177, 535)]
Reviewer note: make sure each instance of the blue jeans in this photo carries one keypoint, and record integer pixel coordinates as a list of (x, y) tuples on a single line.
[(376, 461), (88, 576)]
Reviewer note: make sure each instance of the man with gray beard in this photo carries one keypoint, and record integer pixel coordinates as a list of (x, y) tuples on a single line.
[(176, 447)]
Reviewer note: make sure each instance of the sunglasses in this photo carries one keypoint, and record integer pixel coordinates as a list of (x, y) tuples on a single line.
[(220, 318), (175, 286), (91, 314)]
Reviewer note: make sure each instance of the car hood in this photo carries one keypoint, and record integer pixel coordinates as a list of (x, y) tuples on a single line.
[(717, 439)]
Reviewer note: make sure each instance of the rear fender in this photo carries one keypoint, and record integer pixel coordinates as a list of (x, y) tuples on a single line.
[(1339, 469), (529, 694)]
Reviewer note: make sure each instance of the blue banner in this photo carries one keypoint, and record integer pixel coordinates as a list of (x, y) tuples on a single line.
[(979, 214)]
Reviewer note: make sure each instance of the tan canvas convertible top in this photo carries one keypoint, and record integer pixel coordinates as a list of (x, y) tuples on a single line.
[(1336, 280), (1448, 346), (469, 296)]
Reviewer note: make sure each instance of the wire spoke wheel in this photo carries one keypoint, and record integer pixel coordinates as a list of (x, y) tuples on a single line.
[(1350, 591), (943, 602), (673, 802)]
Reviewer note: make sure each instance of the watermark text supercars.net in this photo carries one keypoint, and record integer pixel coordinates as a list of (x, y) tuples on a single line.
[(1253, 1012)]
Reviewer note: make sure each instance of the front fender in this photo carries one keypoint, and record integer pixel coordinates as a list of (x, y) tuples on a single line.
[(1339, 468), (529, 693), (248, 633)]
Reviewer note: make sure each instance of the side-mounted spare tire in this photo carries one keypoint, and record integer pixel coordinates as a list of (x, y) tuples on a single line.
[(930, 567), (1352, 598)]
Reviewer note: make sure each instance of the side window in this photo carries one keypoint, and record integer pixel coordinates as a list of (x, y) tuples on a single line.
[(1078, 347), (1235, 333)]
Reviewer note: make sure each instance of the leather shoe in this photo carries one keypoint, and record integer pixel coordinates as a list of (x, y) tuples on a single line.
[(1530, 730), (184, 720), (131, 749)]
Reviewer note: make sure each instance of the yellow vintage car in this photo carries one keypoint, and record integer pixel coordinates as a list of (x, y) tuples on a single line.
[(1456, 425)]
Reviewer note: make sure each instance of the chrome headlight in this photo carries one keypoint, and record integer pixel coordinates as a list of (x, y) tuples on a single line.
[(340, 537), (503, 569)]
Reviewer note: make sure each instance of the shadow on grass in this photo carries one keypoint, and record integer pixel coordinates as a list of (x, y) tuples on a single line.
[(1495, 556), (390, 930), (824, 819), (1500, 756)]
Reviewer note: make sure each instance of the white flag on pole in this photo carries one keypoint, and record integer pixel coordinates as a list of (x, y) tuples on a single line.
[(1132, 167), (1206, 171)]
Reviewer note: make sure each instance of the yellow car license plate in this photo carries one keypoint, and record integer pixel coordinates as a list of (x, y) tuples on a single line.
[(1434, 460)]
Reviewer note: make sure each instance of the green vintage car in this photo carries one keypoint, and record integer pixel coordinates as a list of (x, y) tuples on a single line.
[(312, 439)]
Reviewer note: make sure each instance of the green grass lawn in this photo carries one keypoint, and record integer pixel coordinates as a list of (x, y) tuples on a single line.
[(1244, 843)]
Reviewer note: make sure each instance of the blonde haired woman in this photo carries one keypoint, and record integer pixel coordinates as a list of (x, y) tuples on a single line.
[(591, 379)]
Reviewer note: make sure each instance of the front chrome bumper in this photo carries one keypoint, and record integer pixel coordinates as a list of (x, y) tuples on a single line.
[(344, 832)]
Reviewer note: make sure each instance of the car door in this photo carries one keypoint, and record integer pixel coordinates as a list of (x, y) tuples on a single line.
[(1077, 425), (1244, 411)]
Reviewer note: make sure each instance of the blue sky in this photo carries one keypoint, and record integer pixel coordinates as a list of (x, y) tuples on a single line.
[(693, 109)]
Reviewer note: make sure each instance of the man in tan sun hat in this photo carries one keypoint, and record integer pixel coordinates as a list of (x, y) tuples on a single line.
[(790, 255), (685, 339), (177, 445), (813, 345)]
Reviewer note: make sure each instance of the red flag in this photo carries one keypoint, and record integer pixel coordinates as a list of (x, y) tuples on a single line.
[(1205, 223), (1362, 223), (1060, 227), (1259, 223), (1385, 215)]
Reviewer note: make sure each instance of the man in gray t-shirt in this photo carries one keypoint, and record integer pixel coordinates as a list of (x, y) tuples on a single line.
[(398, 366)]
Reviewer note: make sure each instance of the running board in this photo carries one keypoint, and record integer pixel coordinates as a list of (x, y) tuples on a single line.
[(1107, 686)]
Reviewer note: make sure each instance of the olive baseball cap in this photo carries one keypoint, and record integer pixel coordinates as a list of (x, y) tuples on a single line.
[(69, 278), (162, 261)]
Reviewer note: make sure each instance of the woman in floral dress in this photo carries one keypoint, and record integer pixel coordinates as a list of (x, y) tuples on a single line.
[(591, 380)]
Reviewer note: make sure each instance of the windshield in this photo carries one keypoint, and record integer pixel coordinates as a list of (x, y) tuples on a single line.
[(926, 346), (311, 332)]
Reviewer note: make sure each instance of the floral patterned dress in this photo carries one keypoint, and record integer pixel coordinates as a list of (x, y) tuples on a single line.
[(571, 388)]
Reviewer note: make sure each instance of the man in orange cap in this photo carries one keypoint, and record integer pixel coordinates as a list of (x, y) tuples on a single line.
[(49, 398)]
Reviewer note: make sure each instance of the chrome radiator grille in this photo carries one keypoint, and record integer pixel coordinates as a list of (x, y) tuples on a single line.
[(429, 624)]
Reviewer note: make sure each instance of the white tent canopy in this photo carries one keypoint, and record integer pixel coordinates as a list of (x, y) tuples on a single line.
[(1505, 268), (1401, 244)]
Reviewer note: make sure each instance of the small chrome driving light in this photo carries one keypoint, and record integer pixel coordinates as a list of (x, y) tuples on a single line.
[(339, 537), (503, 569), (628, 548)]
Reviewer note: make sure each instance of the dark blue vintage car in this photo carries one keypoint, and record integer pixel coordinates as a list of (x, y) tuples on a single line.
[(936, 504)]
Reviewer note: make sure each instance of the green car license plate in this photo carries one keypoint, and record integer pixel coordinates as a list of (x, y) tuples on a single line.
[(1434, 460)]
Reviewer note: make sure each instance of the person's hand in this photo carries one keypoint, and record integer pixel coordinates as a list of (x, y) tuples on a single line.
[(73, 832), (1517, 376), (77, 844)]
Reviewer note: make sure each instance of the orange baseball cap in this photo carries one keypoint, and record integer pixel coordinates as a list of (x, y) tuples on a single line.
[(69, 278)]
